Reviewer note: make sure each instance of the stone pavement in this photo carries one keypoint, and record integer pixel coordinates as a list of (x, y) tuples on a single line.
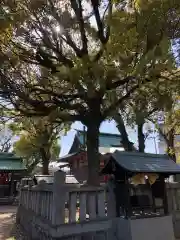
[(7, 217)]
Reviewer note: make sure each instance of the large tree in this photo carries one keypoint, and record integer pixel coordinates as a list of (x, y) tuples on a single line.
[(80, 60)]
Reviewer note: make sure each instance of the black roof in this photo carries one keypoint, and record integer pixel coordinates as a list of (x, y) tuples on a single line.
[(76, 145), (144, 162)]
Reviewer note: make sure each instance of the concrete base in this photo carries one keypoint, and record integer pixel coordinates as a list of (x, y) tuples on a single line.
[(37, 227), (159, 228), (176, 221)]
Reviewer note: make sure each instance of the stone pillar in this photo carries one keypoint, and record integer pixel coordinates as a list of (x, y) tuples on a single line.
[(59, 198), (11, 186), (111, 200)]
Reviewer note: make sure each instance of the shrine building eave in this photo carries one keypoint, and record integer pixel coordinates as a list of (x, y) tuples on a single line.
[(135, 162), (11, 163), (67, 157)]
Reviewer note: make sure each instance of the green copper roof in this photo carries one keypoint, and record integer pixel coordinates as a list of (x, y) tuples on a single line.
[(105, 139), (4, 154), (9, 162)]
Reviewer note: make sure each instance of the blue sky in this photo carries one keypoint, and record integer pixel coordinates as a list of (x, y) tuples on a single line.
[(108, 127)]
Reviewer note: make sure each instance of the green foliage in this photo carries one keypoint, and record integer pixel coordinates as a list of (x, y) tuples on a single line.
[(36, 135), (138, 54), (128, 50)]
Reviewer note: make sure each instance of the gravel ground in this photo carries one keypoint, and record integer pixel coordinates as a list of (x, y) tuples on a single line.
[(6, 224), (8, 228)]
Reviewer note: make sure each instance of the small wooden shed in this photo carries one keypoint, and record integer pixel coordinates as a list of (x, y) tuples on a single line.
[(139, 182)]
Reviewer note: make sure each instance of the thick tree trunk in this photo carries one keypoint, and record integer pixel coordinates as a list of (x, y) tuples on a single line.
[(170, 145), (141, 137), (127, 145), (45, 161), (45, 169), (169, 139), (93, 156), (32, 166)]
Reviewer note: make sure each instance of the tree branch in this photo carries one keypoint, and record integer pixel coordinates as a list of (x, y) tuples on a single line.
[(127, 144), (108, 111), (152, 111), (68, 39), (118, 83), (57, 95), (100, 25), (103, 39), (78, 12), (118, 102)]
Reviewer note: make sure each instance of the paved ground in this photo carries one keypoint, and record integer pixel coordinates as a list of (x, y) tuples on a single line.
[(7, 216)]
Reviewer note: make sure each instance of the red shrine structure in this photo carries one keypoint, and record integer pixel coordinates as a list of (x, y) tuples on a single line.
[(12, 170), (76, 158)]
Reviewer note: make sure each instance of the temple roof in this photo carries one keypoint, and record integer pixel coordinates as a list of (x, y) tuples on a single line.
[(9, 162), (66, 157), (143, 162), (105, 140)]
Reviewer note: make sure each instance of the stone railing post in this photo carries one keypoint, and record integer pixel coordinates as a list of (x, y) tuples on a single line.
[(169, 193), (111, 200), (59, 198)]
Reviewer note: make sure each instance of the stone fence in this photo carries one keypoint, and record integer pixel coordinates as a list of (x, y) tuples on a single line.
[(64, 211), (173, 196)]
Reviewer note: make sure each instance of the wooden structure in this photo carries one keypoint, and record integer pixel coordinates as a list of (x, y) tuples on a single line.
[(77, 155), (139, 183), (11, 171), (78, 165)]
